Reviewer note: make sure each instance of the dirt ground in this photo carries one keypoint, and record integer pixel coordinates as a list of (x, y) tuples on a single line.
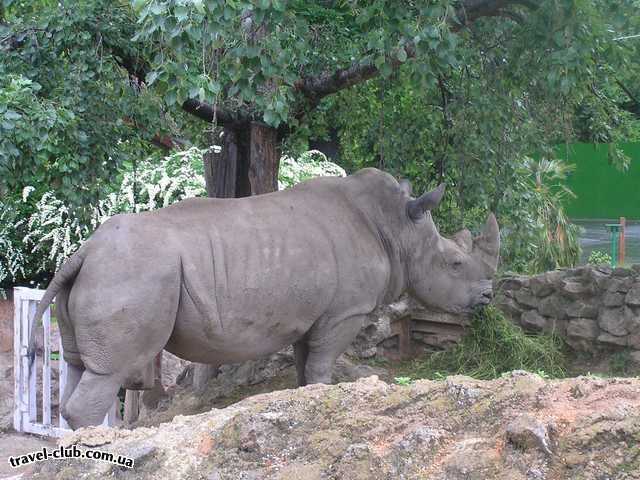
[(13, 444)]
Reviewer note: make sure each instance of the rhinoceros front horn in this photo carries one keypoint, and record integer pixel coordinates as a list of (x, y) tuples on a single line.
[(488, 242), (427, 201)]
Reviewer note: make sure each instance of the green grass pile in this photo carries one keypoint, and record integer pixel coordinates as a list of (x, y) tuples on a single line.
[(493, 346)]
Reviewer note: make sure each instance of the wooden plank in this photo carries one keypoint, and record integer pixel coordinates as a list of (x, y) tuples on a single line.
[(29, 293), (24, 361), (62, 382), (33, 394), (437, 328), (440, 317), (131, 406), (111, 418), (17, 363), (46, 369)]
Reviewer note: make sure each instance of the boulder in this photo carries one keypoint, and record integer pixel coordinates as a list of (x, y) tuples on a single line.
[(582, 333), (509, 307), (582, 308), (622, 272), (633, 296), (541, 285), (622, 285), (532, 320), (613, 299), (584, 328), (371, 430), (553, 306), (527, 298), (527, 432), (609, 339), (575, 288), (613, 321), (511, 283)]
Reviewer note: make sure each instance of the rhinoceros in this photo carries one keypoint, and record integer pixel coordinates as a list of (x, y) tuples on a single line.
[(227, 280)]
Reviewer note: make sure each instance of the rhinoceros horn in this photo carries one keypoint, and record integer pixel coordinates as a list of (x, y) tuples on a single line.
[(427, 201), (488, 242)]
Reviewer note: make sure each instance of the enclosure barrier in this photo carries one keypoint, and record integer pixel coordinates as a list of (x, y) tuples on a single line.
[(28, 416)]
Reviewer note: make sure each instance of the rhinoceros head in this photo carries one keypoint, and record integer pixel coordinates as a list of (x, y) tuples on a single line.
[(454, 274)]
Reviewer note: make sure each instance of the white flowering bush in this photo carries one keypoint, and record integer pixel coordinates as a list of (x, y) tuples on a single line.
[(309, 165), (41, 242), (11, 253)]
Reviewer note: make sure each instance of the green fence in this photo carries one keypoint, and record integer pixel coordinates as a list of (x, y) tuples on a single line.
[(602, 191)]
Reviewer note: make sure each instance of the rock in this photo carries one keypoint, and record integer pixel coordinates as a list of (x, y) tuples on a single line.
[(622, 272), (613, 299), (613, 321), (583, 328), (533, 320), (348, 371), (633, 341), (582, 308), (598, 278), (511, 283), (541, 286), (612, 339), (633, 296), (509, 307), (635, 355), (575, 288), (632, 319), (378, 329), (372, 431), (622, 285), (527, 432), (553, 306), (525, 297)]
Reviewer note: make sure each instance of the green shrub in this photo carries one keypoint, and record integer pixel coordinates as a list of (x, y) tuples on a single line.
[(598, 257), (493, 346)]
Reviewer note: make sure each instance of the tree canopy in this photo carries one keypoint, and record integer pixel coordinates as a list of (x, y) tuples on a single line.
[(473, 92)]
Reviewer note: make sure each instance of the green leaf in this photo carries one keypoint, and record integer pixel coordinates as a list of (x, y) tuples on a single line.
[(181, 13)]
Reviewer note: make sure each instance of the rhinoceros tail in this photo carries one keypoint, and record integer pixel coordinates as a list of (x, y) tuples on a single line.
[(63, 278)]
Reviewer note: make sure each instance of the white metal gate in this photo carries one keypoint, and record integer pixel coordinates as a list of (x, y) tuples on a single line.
[(28, 416)]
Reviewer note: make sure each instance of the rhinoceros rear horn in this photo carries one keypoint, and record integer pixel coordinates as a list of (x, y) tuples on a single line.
[(488, 242), (427, 201)]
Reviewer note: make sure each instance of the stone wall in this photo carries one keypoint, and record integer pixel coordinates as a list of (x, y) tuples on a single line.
[(594, 308), (405, 329)]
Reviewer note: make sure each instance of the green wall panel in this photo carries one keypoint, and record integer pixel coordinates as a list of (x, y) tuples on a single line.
[(602, 190)]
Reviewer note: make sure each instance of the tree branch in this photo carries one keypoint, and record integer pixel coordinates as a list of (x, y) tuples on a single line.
[(315, 88)]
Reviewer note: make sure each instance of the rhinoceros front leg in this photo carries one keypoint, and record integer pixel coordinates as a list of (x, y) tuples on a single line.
[(326, 341)]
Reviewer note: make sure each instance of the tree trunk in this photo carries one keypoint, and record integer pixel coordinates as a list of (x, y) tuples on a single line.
[(246, 165), (264, 159)]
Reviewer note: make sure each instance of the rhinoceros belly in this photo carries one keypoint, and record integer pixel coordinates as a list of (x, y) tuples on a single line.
[(251, 293)]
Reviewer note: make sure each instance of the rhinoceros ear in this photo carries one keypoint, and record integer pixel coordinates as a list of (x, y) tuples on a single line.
[(488, 242), (427, 201), (405, 186)]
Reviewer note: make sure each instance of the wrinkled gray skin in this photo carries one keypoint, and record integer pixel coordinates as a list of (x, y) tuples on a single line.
[(226, 280)]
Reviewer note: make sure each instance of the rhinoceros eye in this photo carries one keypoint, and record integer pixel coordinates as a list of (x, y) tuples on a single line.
[(457, 264)]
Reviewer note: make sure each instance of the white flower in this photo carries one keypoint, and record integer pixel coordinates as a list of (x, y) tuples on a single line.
[(26, 191)]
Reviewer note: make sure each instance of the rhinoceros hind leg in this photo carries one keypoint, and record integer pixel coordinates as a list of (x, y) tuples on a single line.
[(74, 373), (91, 399), (327, 341)]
